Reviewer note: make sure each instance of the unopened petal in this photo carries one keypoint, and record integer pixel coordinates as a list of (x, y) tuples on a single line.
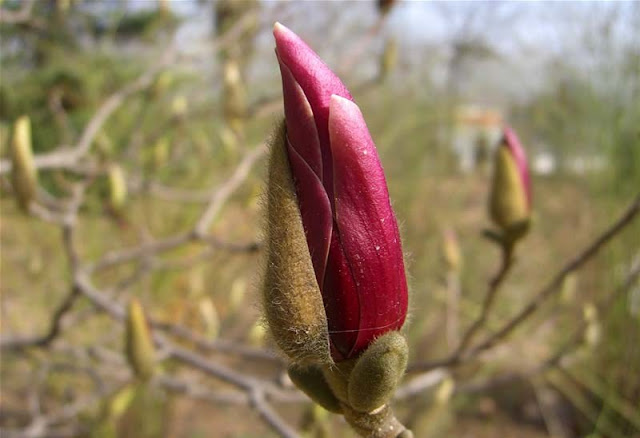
[(366, 224), (342, 302), (315, 210), (318, 83), (301, 128), (517, 151)]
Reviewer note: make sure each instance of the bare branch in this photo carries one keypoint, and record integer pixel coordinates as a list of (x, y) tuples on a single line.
[(260, 404), (222, 194), (487, 305), (626, 219), (578, 261), (55, 328)]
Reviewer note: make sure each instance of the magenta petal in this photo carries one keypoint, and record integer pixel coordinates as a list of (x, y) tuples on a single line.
[(517, 152), (318, 83), (315, 210), (301, 128), (366, 225), (341, 302)]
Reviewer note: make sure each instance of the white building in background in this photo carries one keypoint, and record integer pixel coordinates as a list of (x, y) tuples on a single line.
[(544, 163), (478, 130), (476, 133)]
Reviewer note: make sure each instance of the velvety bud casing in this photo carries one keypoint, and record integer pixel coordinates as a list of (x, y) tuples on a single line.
[(139, 347), (24, 174), (351, 232)]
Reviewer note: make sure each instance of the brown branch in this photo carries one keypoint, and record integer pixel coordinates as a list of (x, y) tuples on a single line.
[(44, 340), (68, 158), (222, 194), (574, 264), (554, 285), (487, 305), (266, 412), (217, 199), (218, 345), (430, 379)]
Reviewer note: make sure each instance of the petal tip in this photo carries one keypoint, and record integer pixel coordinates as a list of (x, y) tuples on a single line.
[(279, 28), (282, 34), (341, 106)]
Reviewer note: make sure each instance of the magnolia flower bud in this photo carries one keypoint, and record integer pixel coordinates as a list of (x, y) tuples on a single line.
[(210, 317), (24, 174), (117, 187), (510, 199), (138, 342), (347, 261), (451, 250)]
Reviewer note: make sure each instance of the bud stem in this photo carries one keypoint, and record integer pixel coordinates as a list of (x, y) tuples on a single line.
[(380, 423), (505, 265)]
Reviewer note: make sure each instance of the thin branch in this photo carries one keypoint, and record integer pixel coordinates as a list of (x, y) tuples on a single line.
[(554, 285), (44, 340), (198, 392), (578, 261), (487, 305), (421, 383), (222, 194), (260, 404), (217, 199), (67, 158), (219, 345), (560, 357)]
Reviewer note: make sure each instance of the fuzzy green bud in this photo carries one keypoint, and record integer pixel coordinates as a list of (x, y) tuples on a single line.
[(139, 346), (210, 317), (450, 249), (377, 372), (311, 381), (117, 187), (24, 174)]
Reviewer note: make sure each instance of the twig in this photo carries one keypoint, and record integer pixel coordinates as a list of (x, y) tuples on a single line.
[(217, 199), (430, 379), (220, 196), (67, 158), (260, 404), (55, 328), (421, 383), (249, 384), (487, 305), (627, 218), (586, 254), (198, 392)]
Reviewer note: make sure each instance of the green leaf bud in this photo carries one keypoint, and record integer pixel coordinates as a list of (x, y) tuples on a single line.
[(139, 346), (24, 174), (377, 372), (311, 381), (117, 187)]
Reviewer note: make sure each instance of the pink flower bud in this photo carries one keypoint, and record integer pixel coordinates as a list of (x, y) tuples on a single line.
[(511, 141), (510, 201), (350, 228)]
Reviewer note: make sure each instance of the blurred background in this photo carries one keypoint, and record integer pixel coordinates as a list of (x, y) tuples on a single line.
[(143, 174)]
